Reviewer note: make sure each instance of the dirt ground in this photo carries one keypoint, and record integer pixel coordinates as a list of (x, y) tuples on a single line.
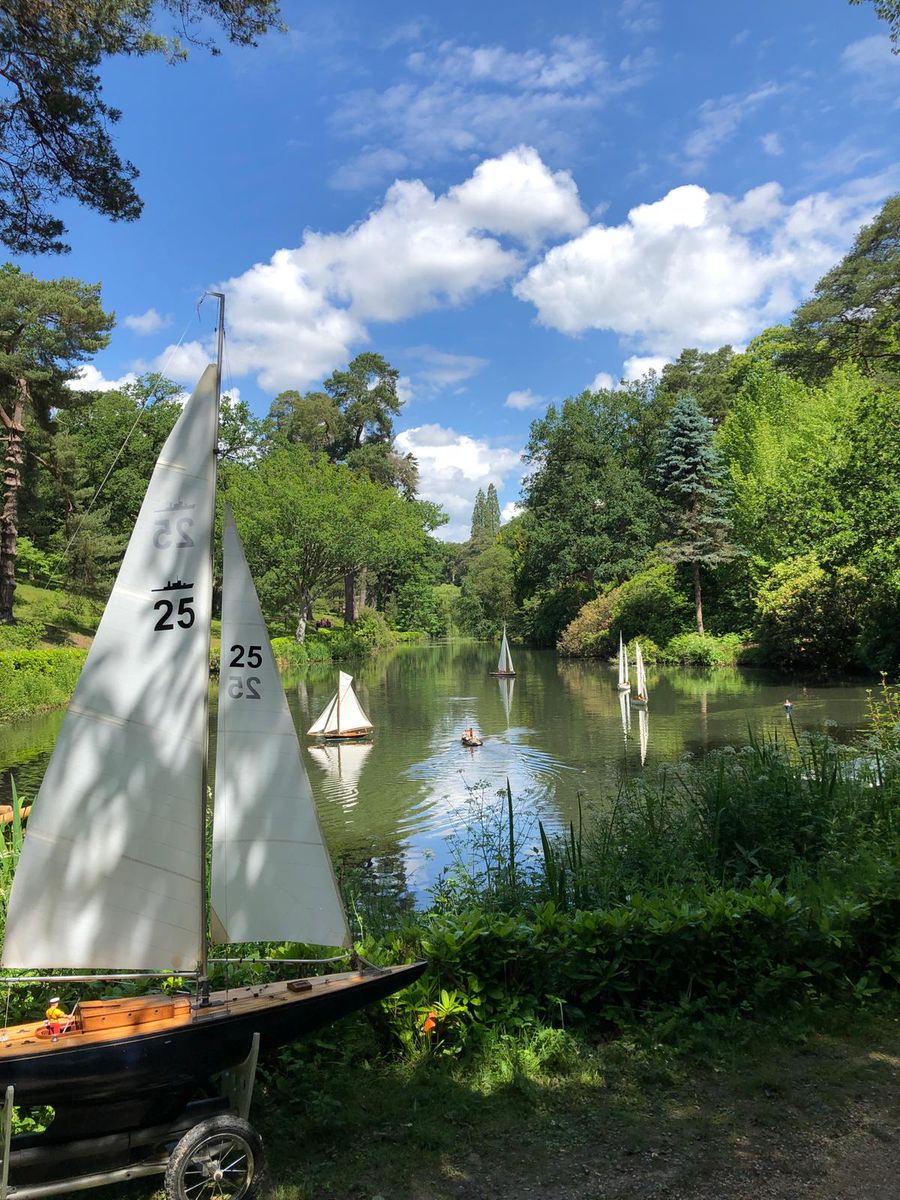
[(821, 1123)]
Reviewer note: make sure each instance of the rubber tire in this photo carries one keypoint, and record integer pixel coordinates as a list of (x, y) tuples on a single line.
[(189, 1146)]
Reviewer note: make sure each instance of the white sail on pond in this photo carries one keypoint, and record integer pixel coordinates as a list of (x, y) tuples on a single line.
[(640, 697), (343, 714), (504, 662), (624, 684), (109, 875), (272, 878)]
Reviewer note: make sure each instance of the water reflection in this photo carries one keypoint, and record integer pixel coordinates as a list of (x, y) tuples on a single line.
[(559, 729)]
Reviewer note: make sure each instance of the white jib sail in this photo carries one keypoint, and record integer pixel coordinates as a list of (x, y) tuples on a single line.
[(641, 674), (109, 875), (504, 663), (623, 664), (343, 713), (272, 878)]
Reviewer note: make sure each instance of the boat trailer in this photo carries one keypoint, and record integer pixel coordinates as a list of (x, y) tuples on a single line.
[(209, 1150)]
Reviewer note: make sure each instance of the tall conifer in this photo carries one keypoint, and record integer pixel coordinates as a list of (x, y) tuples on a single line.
[(688, 474)]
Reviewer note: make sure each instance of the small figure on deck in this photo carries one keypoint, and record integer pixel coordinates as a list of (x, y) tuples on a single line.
[(788, 706), (471, 738), (55, 1015)]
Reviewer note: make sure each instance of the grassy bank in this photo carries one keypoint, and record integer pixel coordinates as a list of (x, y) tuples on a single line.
[(36, 680)]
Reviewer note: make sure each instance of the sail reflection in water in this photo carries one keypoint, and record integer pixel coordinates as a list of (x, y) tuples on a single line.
[(343, 764), (506, 686), (625, 714), (643, 732)]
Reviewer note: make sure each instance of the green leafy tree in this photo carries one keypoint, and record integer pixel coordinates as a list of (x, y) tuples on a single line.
[(852, 314), (48, 329), (314, 420), (888, 10), (306, 522), (54, 124), (707, 377), (809, 614), (689, 477), (591, 519)]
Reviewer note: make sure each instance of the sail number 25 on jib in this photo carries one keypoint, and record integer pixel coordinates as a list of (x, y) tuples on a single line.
[(240, 687)]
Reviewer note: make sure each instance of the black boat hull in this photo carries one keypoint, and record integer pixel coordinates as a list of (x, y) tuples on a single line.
[(141, 1079)]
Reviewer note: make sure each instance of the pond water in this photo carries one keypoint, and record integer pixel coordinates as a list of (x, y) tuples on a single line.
[(556, 731)]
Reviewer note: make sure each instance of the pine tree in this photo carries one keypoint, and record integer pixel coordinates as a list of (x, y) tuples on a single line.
[(492, 512), (688, 475), (478, 516)]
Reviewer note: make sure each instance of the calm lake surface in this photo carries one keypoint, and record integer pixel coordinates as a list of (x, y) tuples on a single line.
[(556, 731)]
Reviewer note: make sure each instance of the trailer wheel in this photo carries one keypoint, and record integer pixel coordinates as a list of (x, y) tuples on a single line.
[(219, 1157)]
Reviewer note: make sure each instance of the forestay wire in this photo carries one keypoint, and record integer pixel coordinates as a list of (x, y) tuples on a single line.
[(154, 381)]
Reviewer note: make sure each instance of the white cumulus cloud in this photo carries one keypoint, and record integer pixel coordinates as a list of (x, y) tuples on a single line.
[(299, 315), (523, 399), (146, 323), (602, 382), (638, 366), (452, 467), (90, 379), (696, 268)]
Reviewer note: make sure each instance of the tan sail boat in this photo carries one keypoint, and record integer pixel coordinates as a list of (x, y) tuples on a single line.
[(342, 716)]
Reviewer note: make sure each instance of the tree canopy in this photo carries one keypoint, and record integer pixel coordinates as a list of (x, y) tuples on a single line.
[(54, 123)]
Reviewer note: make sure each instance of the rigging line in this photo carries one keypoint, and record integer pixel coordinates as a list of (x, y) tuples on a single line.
[(154, 381)]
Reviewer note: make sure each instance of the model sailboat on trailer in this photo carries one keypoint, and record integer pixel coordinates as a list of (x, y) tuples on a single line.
[(112, 871)]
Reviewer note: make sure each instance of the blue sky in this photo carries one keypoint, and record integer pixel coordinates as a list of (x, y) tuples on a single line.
[(508, 201)]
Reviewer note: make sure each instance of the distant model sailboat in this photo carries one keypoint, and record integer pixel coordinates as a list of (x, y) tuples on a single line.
[(504, 662), (342, 716), (623, 685), (112, 873), (640, 699)]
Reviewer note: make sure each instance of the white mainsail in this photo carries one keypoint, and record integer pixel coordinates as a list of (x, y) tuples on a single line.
[(272, 878), (504, 663), (343, 712), (623, 666), (109, 875), (640, 672)]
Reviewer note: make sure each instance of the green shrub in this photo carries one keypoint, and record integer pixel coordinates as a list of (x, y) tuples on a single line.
[(34, 680), (809, 616), (654, 602), (26, 635), (695, 650), (590, 635), (368, 634), (289, 654)]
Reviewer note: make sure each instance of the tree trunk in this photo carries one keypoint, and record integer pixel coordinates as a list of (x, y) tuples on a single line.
[(9, 518), (698, 602), (304, 616), (349, 597), (362, 591)]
